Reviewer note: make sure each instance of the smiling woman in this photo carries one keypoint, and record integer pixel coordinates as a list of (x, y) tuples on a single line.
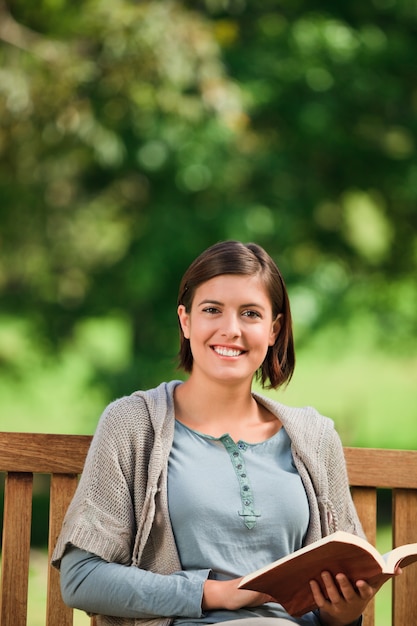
[(231, 260), (189, 486), (231, 319)]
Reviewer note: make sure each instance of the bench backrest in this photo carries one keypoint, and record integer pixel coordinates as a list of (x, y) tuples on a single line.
[(21, 456), (396, 470), (62, 457)]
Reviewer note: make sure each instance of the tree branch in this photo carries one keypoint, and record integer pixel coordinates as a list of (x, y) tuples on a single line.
[(19, 36)]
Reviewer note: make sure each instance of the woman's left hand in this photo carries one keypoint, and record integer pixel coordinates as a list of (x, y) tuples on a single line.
[(345, 602)]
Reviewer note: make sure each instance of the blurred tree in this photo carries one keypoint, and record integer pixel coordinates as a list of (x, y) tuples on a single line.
[(133, 135), (331, 91), (117, 122)]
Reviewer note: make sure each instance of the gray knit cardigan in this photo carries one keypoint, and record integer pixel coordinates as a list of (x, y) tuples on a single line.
[(120, 509)]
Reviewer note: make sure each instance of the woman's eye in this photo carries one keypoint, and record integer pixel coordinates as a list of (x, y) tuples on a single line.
[(210, 309), (253, 314)]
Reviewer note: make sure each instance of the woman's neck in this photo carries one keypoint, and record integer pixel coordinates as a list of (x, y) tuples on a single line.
[(215, 410)]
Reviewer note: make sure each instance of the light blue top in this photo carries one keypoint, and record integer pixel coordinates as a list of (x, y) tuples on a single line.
[(234, 507)]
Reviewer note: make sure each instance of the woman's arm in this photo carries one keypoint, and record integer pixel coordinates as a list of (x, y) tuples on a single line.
[(93, 585), (225, 594)]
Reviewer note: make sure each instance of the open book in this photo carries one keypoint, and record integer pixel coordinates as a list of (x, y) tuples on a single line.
[(287, 580)]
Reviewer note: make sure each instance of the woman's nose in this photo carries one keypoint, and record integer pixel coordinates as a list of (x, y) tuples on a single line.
[(231, 326)]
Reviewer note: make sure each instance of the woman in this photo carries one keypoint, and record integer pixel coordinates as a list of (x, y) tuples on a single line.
[(192, 485)]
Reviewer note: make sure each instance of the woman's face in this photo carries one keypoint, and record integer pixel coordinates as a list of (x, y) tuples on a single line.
[(230, 327)]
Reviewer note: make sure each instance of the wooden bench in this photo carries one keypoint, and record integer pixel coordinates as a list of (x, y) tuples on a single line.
[(62, 457)]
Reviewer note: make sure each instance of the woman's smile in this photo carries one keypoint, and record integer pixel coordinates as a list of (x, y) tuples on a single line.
[(228, 352)]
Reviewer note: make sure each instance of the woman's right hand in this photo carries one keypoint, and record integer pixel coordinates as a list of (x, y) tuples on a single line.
[(225, 594)]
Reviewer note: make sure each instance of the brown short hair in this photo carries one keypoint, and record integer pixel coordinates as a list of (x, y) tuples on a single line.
[(234, 257)]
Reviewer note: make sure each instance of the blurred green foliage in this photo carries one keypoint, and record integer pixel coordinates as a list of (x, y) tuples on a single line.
[(135, 134)]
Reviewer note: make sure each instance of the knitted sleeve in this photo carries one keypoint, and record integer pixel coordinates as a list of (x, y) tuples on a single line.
[(101, 517)]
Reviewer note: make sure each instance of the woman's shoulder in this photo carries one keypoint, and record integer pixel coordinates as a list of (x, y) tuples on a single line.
[(142, 408), (306, 427), (295, 415)]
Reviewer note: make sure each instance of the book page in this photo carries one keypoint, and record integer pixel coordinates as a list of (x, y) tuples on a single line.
[(402, 556)]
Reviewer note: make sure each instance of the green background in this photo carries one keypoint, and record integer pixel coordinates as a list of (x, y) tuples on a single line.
[(135, 134)]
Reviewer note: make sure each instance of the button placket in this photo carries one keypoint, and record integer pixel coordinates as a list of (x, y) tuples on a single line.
[(248, 512)]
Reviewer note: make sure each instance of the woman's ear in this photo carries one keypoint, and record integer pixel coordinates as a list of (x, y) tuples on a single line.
[(184, 319), (276, 327)]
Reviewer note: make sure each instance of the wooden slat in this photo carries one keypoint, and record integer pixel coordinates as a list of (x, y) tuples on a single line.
[(365, 499), (372, 467), (45, 454), (405, 531), (61, 492), (16, 548)]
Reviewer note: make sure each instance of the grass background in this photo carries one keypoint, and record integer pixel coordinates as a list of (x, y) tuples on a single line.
[(370, 392)]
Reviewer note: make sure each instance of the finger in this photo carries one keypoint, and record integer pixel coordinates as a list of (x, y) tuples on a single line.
[(348, 591), (316, 588), (319, 598), (365, 590), (333, 591)]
